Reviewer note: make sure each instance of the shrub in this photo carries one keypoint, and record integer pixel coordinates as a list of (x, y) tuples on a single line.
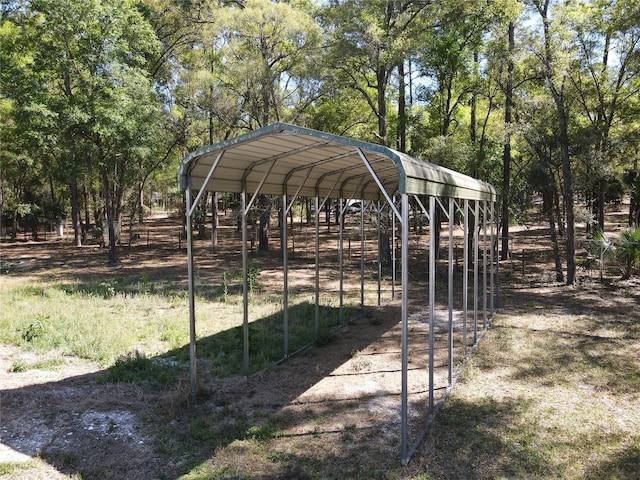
[(628, 251)]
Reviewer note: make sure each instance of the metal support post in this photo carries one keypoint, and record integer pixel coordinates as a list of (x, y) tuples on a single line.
[(404, 258), (484, 265), (451, 217), (465, 277), (362, 245), (378, 210), (192, 307), (285, 279), (317, 258), (245, 287), (393, 254), (494, 259), (476, 215), (432, 296), (341, 261)]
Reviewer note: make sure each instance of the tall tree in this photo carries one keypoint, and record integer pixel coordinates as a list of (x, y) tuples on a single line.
[(556, 54), (605, 81), (89, 70), (367, 42), (506, 153)]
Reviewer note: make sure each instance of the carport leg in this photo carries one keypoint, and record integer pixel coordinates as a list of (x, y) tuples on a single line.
[(432, 294), (405, 327), (465, 277), (393, 255), (317, 253), (245, 289), (476, 214), (494, 258), (484, 265), (341, 260), (285, 279), (378, 223), (451, 218), (192, 307), (361, 255)]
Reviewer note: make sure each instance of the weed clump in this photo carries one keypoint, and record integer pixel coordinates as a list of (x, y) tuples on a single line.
[(135, 367)]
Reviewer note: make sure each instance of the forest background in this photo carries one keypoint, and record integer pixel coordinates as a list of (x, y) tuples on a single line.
[(101, 99)]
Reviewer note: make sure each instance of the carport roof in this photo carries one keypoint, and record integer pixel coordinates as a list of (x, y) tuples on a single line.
[(283, 158)]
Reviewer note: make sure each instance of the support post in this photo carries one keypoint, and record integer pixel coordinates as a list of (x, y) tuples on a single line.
[(393, 254), (476, 233), (450, 292), (285, 279), (465, 277), (378, 223), (484, 266), (341, 260), (494, 260), (362, 245), (432, 296), (192, 306), (245, 287), (404, 259), (317, 258)]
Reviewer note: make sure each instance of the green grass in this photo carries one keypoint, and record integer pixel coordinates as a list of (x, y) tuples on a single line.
[(551, 396), (546, 395), (115, 320), (21, 365), (96, 323)]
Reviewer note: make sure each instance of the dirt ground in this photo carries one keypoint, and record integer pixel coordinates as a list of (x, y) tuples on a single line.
[(327, 399)]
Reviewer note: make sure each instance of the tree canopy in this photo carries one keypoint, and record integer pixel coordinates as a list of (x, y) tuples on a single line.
[(99, 99)]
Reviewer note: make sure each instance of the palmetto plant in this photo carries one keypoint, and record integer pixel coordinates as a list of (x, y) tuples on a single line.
[(628, 251), (599, 247)]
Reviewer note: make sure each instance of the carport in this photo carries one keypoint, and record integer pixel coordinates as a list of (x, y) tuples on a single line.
[(292, 162)]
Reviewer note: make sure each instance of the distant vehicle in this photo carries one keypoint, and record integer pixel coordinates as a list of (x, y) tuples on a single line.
[(353, 206)]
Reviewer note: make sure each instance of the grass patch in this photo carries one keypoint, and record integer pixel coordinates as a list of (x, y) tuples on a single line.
[(543, 397), (135, 367), (224, 350), (24, 366)]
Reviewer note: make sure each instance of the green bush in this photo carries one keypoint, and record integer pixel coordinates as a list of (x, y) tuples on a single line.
[(628, 251)]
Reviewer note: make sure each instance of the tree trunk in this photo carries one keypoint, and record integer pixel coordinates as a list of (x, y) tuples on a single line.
[(263, 226), (557, 92), (110, 211), (75, 214), (402, 110), (214, 221), (381, 77), (602, 187), (567, 180), (547, 202), (506, 152)]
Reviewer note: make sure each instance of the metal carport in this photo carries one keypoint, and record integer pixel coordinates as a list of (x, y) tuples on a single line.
[(292, 161)]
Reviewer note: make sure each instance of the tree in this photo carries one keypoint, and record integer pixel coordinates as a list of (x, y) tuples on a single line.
[(555, 54), (605, 81), (267, 50), (367, 42), (87, 67)]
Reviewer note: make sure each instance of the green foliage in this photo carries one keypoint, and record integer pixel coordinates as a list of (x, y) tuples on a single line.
[(23, 366), (36, 329), (135, 367), (628, 251)]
